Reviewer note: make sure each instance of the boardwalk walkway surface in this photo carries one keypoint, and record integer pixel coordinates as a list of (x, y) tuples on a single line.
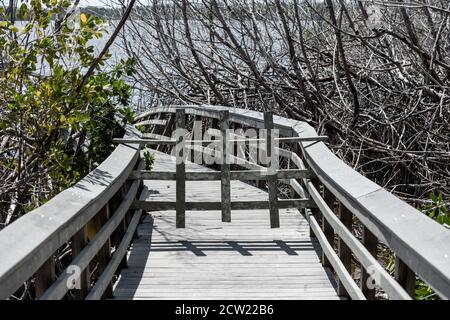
[(244, 259)]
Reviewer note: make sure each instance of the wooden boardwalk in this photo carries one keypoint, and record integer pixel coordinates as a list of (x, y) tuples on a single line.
[(244, 259)]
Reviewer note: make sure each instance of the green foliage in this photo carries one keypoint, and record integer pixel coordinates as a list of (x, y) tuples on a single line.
[(128, 114), (149, 160), (437, 209), (141, 129), (44, 110), (424, 292)]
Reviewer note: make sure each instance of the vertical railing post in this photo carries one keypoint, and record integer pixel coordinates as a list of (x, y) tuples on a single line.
[(326, 227), (318, 215), (295, 149), (225, 168), (157, 129), (123, 225), (45, 276), (197, 129), (79, 241), (180, 172), (405, 276), (167, 130), (312, 212), (272, 182), (172, 128), (344, 252), (370, 242), (104, 255), (261, 184)]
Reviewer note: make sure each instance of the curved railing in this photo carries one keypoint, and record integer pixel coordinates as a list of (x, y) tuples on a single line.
[(421, 246), (103, 199), (97, 206)]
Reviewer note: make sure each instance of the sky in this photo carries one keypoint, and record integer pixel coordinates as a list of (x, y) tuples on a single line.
[(92, 2)]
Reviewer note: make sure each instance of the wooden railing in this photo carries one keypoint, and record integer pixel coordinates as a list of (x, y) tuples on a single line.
[(341, 196), (97, 207), (225, 175), (329, 193)]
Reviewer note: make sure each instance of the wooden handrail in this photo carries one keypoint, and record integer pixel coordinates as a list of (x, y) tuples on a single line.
[(168, 141), (216, 175), (321, 179)]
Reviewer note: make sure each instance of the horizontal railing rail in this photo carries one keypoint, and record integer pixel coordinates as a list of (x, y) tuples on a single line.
[(206, 142), (216, 175), (421, 246)]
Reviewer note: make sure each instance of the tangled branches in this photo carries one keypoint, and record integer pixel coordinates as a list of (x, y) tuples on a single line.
[(372, 75)]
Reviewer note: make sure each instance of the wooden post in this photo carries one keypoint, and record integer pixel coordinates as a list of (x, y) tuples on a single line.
[(326, 227), (197, 156), (79, 241), (295, 149), (370, 242), (405, 276), (225, 169), (180, 172), (344, 252), (167, 131), (172, 125), (315, 211), (104, 254), (123, 226), (214, 123), (272, 182), (44, 277), (157, 129), (261, 184)]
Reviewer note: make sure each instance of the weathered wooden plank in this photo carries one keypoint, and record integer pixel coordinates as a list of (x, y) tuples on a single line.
[(149, 142), (328, 231), (343, 250), (79, 241), (370, 242), (102, 285), (104, 253), (154, 136), (225, 168), (157, 139), (341, 271), (120, 231), (192, 259), (168, 130), (158, 122), (215, 175), (363, 255), (85, 256), (373, 205), (405, 276), (44, 277), (27, 243), (272, 182), (180, 172), (214, 205)]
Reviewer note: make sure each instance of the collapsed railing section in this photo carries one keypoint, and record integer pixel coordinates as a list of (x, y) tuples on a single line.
[(351, 217)]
